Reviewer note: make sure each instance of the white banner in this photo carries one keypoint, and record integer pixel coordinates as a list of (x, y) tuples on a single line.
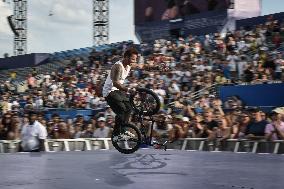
[(245, 9)]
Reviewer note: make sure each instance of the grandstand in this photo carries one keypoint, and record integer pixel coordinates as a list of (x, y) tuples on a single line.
[(223, 93), (60, 61)]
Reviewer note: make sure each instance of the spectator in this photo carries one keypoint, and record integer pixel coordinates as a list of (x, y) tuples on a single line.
[(110, 121), (232, 63), (33, 134), (7, 124), (211, 126), (109, 112), (41, 119), (2, 130), (279, 63), (223, 131), (93, 121), (180, 127), (63, 131), (31, 81), (79, 119), (280, 110), (102, 131), (78, 132), (88, 132), (241, 66), (198, 127), (239, 126), (55, 119), (14, 130), (50, 131), (5, 104), (163, 128), (256, 129), (275, 129)]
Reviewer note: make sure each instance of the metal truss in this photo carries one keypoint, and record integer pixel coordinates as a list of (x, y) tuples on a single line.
[(100, 22), (20, 24)]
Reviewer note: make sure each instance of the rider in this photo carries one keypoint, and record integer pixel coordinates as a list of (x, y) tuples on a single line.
[(114, 90)]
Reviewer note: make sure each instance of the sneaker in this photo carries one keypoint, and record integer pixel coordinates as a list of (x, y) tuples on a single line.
[(125, 136), (128, 133)]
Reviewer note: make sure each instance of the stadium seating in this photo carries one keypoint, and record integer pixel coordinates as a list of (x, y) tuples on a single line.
[(189, 67)]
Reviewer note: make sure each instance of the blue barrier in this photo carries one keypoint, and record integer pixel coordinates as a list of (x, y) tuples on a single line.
[(72, 113), (261, 95)]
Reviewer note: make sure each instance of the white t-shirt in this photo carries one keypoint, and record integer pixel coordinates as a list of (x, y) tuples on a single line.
[(241, 67), (232, 62), (108, 86), (31, 134), (101, 133)]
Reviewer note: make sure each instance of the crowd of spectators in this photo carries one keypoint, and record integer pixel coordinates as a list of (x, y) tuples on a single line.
[(194, 62)]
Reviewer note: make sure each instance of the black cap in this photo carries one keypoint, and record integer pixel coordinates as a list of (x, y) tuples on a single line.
[(255, 110)]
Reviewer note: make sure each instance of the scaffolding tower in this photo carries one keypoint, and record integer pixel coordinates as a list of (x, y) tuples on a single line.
[(100, 22), (20, 24)]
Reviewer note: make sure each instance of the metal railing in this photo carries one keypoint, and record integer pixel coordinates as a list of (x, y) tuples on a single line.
[(211, 89), (189, 144)]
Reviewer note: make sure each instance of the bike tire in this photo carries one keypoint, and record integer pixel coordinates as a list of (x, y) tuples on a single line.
[(125, 150), (144, 111)]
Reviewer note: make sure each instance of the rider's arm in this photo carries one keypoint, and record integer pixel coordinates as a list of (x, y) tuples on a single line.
[(115, 74)]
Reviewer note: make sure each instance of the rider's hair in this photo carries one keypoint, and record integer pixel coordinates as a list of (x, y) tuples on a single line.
[(130, 51)]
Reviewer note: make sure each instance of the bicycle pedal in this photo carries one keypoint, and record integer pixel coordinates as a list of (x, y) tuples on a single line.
[(164, 144), (165, 147)]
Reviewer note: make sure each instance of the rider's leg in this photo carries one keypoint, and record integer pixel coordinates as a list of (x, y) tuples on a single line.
[(121, 107), (122, 117), (127, 112)]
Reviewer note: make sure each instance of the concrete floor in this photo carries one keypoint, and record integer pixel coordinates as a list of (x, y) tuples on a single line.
[(145, 169)]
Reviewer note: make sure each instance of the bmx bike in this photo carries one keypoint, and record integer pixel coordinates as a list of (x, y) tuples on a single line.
[(127, 138)]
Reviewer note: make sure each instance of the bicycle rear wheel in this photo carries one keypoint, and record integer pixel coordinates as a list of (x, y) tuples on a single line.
[(128, 141), (145, 102)]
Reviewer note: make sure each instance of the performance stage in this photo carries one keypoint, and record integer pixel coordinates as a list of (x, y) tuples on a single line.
[(145, 169)]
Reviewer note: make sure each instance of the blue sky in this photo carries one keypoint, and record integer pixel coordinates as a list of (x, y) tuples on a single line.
[(272, 6), (71, 25)]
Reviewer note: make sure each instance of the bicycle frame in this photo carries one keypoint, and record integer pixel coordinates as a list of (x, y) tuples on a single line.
[(144, 133)]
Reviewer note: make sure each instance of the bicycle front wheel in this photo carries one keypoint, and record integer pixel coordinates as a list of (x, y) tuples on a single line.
[(127, 140), (145, 102)]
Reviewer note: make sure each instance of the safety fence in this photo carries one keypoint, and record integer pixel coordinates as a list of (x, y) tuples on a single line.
[(190, 144)]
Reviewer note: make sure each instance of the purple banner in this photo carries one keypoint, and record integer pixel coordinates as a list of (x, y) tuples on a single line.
[(158, 10), (198, 24), (21, 61)]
